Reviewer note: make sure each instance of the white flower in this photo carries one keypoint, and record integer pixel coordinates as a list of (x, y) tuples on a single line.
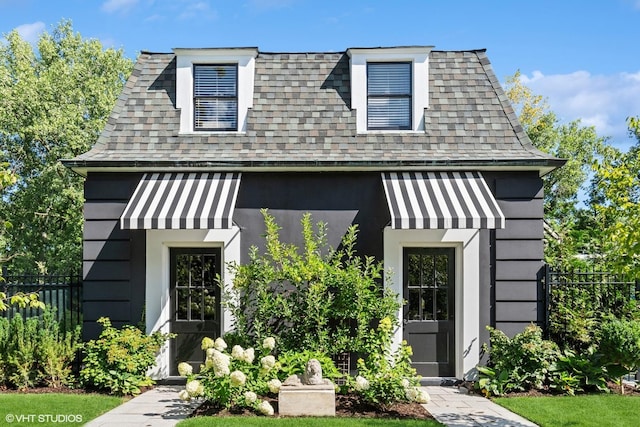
[(250, 396), (211, 352), (268, 362), (423, 396), (219, 362), (265, 408), (184, 395), (219, 344), (194, 388), (411, 393), (237, 352), (238, 378), (274, 385), (405, 383), (269, 343), (248, 355), (362, 383), (184, 369), (207, 343)]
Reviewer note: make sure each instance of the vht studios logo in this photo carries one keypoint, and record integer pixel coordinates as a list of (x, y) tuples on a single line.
[(43, 418)]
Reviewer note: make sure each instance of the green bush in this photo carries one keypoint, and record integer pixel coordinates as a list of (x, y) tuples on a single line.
[(314, 298), (56, 351), (573, 373), (517, 364), (234, 379), (35, 351), (119, 359), (385, 377), (620, 347)]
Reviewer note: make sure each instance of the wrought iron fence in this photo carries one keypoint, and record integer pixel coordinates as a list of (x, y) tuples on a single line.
[(573, 297), (60, 291)]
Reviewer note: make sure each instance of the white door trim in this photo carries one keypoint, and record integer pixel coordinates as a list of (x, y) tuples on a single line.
[(467, 284)]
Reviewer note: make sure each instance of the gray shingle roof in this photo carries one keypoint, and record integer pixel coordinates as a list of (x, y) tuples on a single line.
[(301, 115)]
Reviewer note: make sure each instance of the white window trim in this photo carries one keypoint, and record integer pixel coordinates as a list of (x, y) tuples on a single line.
[(157, 295), (187, 58), (419, 58), (467, 285)]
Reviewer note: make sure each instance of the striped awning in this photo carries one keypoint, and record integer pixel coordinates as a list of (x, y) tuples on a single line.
[(440, 200), (182, 201)]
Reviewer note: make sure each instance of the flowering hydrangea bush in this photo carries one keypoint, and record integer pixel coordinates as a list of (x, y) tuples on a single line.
[(385, 377), (235, 379)]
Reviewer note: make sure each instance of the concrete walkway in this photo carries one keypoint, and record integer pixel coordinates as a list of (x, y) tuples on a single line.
[(159, 406), (449, 405), (454, 407)]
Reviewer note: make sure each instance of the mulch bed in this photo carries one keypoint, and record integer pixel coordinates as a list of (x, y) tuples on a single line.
[(347, 406)]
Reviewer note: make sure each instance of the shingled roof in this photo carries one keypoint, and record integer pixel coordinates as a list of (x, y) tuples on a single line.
[(301, 117)]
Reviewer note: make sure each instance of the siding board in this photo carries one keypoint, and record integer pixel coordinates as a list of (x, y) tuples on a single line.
[(516, 291), (521, 229), (518, 270), (519, 250), (519, 188), (513, 209), (109, 250)]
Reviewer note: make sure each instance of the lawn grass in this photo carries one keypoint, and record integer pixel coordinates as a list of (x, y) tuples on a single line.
[(597, 410), (48, 409), (306, 422)]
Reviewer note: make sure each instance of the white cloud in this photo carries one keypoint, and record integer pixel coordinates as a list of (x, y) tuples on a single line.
[(603, 101), (31, 32), (113, 6)]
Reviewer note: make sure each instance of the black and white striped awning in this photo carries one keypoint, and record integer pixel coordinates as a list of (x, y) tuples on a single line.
[(182, 201), (440, 200)]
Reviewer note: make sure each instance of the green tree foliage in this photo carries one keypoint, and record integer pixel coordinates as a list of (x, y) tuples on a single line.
[(580, 146), (616, 203), (310, 298), (54, 102)]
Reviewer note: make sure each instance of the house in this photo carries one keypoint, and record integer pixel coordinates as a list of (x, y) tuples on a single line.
[(419, 147)]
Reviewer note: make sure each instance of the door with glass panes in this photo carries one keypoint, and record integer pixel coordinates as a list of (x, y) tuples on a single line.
[(429, 285), (195, 303)]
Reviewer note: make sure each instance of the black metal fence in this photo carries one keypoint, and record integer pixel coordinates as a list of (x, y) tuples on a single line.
[(584, 295), (60, 291)]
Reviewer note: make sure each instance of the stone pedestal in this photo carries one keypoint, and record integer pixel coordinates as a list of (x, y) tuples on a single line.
[(307, 400)]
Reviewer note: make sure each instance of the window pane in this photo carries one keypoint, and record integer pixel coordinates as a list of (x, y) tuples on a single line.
[(215, 80), (427, 305), (389, 113), (389, 79), (182, 300), (414, 305), (442, 304), (442, 271), (216, 113), (413, 270)]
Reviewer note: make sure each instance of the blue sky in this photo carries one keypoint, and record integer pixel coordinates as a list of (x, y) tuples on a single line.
[(583, 55)]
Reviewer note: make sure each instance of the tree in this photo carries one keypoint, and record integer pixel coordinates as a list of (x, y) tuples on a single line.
[(616, 201), (54, 102), (581, 146)]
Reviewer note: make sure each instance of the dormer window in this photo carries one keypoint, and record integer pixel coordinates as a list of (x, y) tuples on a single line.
[(214, 89), (389, 95), (215, 97), (389, 88)]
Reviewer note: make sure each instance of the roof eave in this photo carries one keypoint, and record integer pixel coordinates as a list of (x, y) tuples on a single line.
[(82, 167)]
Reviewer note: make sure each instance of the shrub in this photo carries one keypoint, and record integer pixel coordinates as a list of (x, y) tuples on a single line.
[(234, 379), (119, 359), (35, 351), (56, 350), (517, 364), (314, 298), (573, 373), (21, 351), (620, 347), (384, 377)]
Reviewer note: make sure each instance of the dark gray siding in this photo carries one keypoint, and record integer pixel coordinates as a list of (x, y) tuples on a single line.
[(338, 199), (113, 259), (517, 252)]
